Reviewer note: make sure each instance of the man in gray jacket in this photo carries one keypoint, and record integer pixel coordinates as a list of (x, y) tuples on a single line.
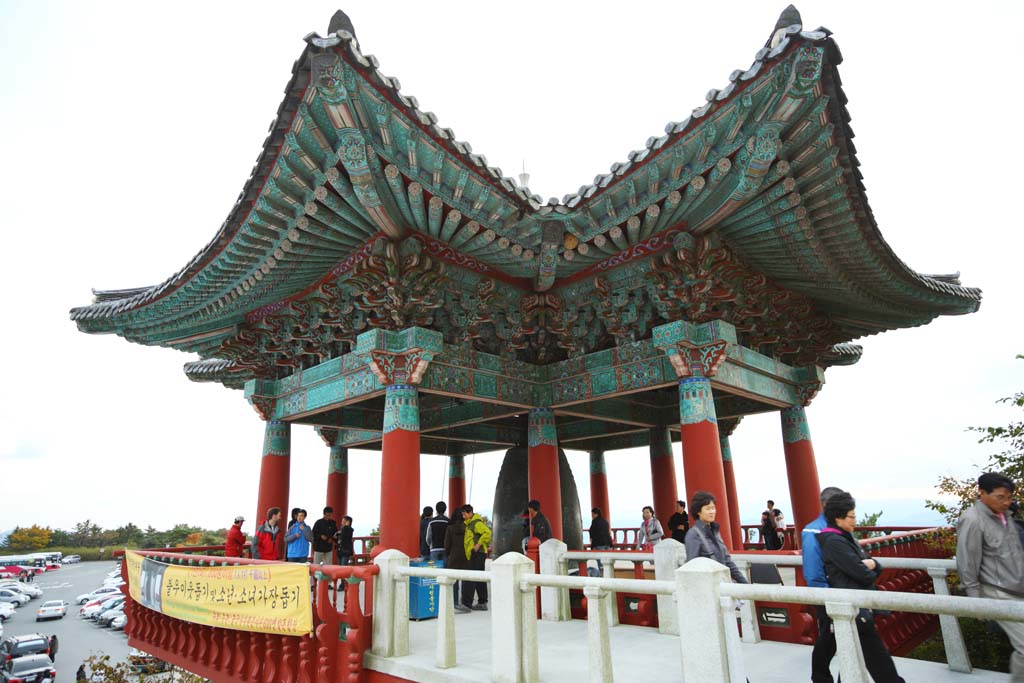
[(989, 556)]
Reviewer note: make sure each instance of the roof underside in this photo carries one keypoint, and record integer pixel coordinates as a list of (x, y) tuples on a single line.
[(752, 209)]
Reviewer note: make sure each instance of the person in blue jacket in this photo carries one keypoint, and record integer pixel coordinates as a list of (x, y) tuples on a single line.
[(814, 576), (297, 538)]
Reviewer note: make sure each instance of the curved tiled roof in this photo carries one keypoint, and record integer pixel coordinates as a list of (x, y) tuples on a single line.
[(821, 243)]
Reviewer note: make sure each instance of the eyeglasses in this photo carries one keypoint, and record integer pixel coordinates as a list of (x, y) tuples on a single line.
[(852, 515)]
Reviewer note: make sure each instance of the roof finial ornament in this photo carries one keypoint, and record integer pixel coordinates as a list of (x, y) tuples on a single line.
[(341, 22), (524, 177), (789, 17)]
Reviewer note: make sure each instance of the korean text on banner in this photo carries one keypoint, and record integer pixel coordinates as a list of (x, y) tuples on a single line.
[(264, 598)]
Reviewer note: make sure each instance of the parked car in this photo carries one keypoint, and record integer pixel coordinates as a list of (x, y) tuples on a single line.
[(29, 669), (105, 590), (117, 623), (13, 647), (115, 582), (14, 597), (26, 588), (52, 609), (96, 610), (72, 559), (105, 618), (6, 611), (142, 662)]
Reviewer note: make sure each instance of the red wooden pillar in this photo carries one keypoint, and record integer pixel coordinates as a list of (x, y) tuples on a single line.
[(542, 464), (730, 490), (598, 486), (456, 482), (337, 479), (275, 470), (663, 475), (400, 470), (702, 452), (804, 490)]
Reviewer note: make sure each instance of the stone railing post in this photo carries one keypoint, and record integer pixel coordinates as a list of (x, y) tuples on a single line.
[(851, 657), (668, 555), (391, 606), (748, 615), (608, 572), (956, 651), (509, 652), (445, 654), (554, 602), (598, 640), (701, 633), (737, 671)]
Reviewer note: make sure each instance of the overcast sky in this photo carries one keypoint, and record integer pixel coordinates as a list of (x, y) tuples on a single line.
[(129, 129)]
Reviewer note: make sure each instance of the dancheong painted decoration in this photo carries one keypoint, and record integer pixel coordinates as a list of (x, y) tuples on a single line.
[(378, 280)]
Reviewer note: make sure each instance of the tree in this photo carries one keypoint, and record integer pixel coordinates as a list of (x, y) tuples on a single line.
[(1009, 461), (870, 519), (29, 538), (60, 538)]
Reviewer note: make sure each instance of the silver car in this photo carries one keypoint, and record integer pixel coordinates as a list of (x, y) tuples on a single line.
[(52, 609), (14, 597)]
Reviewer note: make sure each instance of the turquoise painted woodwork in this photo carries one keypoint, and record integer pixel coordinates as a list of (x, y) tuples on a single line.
[(661, 442), (723, 440), (541, 428), (277, 438), (401, 408), (597, 464), (794, 425), (456, 467), (696, 403), (338, 463)]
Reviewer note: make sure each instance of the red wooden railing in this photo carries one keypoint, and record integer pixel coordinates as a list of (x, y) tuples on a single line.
[(752, 539), (342, 618)]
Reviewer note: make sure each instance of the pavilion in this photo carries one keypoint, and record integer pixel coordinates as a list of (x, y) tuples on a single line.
[(378, 280)]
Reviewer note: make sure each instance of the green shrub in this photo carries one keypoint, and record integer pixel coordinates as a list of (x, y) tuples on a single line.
[(989, 650)]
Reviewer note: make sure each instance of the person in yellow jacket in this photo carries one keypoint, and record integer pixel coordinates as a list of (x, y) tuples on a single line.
[(476, 541)]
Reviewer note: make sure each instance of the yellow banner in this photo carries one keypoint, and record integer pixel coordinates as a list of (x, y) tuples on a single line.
[(265, 598)]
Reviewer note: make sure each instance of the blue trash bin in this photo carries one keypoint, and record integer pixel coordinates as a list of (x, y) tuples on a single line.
[(424, 592)]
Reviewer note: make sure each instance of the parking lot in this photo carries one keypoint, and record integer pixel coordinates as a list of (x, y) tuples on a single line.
[(77, 638)]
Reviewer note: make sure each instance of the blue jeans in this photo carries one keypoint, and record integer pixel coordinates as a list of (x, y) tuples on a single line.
[(600, 567)]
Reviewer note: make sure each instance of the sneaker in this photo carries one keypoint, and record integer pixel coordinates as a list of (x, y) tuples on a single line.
[(462, 608), (479, 607)]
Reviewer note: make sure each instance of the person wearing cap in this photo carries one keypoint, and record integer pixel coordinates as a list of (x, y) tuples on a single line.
[(236, 539)]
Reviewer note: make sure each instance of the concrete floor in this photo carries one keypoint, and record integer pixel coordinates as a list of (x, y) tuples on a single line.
[(639, 654)]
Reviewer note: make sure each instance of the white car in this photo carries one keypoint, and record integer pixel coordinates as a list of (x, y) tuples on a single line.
[(92, 612), (72, 559), (118, 622), (26, 588), (14, 597), (99, 592), (6, 611), (52, 609), (113, 582)]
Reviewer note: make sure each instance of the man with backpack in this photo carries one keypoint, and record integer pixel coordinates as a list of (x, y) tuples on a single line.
[(476, 542)]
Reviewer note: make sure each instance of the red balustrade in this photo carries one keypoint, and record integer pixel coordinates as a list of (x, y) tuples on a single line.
[(333, 653)]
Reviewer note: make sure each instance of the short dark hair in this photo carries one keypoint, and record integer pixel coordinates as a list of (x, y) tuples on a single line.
[(827, 493), (699, 500), (990, 481), (681, 503), (428, 511), (595, 511), (347, 519), (467, 508), (328, 509), (534, 505), (295, 512), (838, 507), (771, 502), (272, 511), (441, 507)]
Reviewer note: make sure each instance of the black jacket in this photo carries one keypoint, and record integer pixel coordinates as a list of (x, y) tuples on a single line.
[(344, 540), (454, 544), (842, 556), (435, 532), (541, 527), (600, 533), (674, 521), (324, 527)]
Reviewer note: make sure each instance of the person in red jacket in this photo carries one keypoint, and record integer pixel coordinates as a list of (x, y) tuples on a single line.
[(236, 539), (264, 541)]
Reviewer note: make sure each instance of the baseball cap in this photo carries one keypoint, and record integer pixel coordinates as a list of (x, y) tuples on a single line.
[(239, 518)]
